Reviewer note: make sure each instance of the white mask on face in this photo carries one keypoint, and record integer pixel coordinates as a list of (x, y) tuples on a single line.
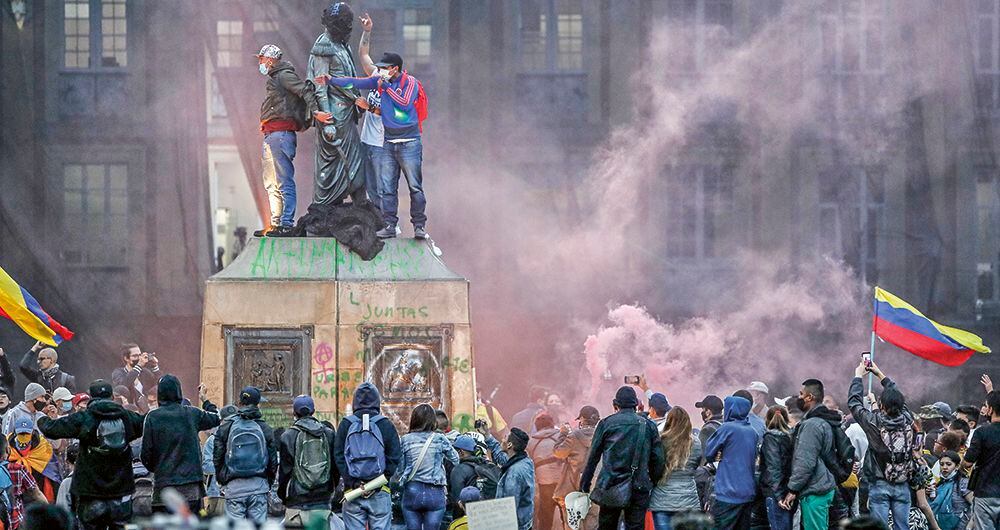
[(263, 69), (385, 75)]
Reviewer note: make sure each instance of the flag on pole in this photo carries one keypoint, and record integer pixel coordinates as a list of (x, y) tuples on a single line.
[(18, 305), (899, 323)]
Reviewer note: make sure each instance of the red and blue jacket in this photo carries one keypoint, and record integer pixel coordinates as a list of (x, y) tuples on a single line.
[(399, 98)]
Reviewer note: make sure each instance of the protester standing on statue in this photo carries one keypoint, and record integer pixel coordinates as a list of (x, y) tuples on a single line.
[(371, 119), (289, 106), (402, 148)]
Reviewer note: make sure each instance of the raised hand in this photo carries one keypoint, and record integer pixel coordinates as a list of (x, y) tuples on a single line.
[(987, 383), (366, 22)]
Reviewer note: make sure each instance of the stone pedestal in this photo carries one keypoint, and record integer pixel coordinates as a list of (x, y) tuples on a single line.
[(307, 316)]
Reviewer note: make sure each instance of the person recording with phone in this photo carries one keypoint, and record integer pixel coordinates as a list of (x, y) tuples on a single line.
[(140, 371)]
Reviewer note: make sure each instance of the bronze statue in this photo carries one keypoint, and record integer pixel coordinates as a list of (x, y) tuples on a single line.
[(338, 150)]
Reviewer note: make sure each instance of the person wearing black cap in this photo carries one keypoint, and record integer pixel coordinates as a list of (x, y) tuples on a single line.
[(573, 447), (170, 448), (402, 149), (517, 472), (629, 450), (103, 483), (711, 415), (307, 476), (246, 474)]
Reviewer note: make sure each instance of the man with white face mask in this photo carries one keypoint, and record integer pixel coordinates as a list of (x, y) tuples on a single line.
[(289, 106)]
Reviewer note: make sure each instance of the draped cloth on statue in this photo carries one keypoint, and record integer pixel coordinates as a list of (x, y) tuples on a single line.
[(338, 149)]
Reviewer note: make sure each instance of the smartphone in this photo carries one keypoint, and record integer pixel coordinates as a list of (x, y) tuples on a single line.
[(920, 441), (632, 379), (866, 357)]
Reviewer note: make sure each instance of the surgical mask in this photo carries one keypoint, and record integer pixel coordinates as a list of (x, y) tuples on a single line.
[(263, 69), (67, 406), (385, 75)]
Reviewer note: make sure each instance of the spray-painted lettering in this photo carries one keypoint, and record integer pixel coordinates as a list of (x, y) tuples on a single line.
[(377, 312)]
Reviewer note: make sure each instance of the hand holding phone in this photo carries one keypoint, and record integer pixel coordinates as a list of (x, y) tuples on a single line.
[(866, 357)]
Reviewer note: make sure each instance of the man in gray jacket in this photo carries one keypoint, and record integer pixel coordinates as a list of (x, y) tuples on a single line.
[(810, 481)]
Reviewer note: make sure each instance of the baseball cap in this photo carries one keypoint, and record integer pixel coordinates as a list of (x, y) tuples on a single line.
[(390, 59), (757, 386), (62, 393), (33, 391), (82, 396), (23, 425), (270, 51), (470, 494), (101, 389), (944, 409), (929, 412), (303, 405), (250, 396), (710, 402), (659, 403), (590, 414), (227, 411), (465, 443)]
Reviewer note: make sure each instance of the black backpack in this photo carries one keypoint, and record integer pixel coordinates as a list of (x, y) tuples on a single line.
[(840, 460), (486, 478)]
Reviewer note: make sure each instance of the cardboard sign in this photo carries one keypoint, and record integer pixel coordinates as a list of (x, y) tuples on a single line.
[(499, 514)]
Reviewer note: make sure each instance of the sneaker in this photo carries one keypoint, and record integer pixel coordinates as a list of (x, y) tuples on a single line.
[(260, 233), (388, 232), (419, 232), (282, 231), (398, 231)]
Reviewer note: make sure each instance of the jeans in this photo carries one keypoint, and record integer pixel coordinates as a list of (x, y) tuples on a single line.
[(731, 516), (884, 497), (634, 515), (408, 157), (986, 513), (423, 505), (778, 517), (252, 507), (372, 179), (373, 513), (279, 176), (661, 520), (101, 514), (816, 510)]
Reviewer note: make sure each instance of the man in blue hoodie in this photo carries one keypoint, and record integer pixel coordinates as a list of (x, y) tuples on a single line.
[(374, 511), (735, 486)]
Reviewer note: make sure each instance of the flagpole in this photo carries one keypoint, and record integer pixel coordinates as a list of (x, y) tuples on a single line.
[(872, 350)]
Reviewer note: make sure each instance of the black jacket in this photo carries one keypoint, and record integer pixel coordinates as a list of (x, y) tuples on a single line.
[(170, 445), (367, 401), (872, 422), (97, 475), (6, 377), (616, 441), (51, 380), (288, 96), (126, 377), (775, 463), (222, 441), (462, 475), (293, 494)]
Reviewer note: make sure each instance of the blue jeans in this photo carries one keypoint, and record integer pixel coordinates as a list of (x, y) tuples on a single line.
[(373, 513), (778, 517), (423, 506), (884, 497), (661, 520), (408, 157), (279, 176), (370, 168), (252, 507)]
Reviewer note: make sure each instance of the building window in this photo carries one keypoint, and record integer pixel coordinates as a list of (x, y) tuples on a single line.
[(95, 213), (417, 38), (89, 40), (218, 103), (851, 217), (230, 40), (699, 211), (551, 35), (700, 30), (851, 44), (987, 235), (986, 35)]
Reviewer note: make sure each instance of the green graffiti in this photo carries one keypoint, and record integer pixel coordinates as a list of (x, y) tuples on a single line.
[(291, 258), (387, 312), (463, 422)]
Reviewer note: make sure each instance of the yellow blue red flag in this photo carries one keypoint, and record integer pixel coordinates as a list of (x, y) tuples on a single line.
[(18, 305), (899, 323)]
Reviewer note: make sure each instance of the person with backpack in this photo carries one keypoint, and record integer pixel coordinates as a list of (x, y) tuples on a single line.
[(170, 448), (103, 483), (246, 459), (811, 482), (472, 470), (422, 471), (404, 108), (891, 442), (289, 106), (307, 476), (367, 447)]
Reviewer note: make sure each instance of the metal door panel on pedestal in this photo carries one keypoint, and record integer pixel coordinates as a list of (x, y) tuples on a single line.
[(275, 361)]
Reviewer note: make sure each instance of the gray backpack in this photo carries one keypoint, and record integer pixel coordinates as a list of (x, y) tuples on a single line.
[(312, 459)]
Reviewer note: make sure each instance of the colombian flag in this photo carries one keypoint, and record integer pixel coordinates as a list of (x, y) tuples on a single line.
[(19, 306), (899, 323)]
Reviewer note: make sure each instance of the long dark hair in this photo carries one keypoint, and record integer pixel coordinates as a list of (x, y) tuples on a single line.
[(423, 418)]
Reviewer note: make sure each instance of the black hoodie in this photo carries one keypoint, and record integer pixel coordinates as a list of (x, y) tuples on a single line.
[(251, 412), (97, 475), (289, 490), (367, 401), (170, 445)]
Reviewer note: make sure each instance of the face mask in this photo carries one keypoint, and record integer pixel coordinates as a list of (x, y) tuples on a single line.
[(385, 75), (39, 405), (263, 69), (801, 404), (67, 406)]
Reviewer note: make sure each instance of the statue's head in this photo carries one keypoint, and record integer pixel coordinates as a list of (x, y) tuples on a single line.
[(338, 19)]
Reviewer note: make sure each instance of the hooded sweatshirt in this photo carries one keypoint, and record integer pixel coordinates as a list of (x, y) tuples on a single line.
[(548, 468), (97, 474), (293, 494), (170, 448), (250, 412), (368, 401), (872, 422), (737, 441), (813, 439)]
